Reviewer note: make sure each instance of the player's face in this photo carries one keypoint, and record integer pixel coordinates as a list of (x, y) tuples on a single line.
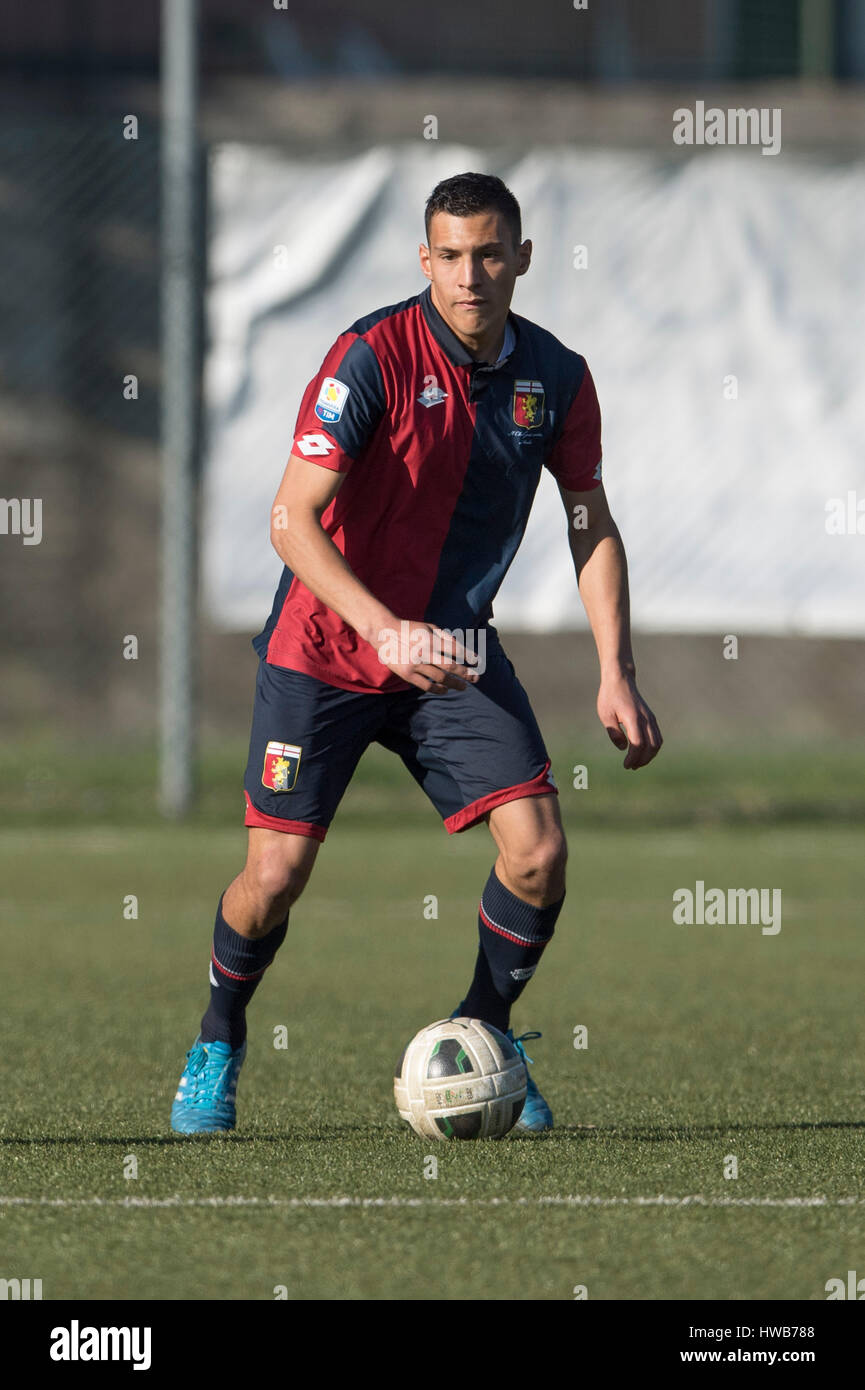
[(473, 265)]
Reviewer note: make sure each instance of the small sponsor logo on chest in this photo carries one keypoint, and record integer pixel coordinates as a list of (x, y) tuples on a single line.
[(432, 394)]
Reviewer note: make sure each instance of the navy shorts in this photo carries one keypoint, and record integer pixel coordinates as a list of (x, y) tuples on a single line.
[(470, 750)]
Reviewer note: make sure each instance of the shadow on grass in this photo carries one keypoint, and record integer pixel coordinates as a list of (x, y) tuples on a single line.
[(659, 1134), (332, 1132)]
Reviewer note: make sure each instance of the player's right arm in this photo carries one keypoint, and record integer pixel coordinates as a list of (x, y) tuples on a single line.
[(342, 407), (301, 542)]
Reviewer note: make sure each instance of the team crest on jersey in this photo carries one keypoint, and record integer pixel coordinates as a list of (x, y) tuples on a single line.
[(331, 400), (528, 404), (281, 764)]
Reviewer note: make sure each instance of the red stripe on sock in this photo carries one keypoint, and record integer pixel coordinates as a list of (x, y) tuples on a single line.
[(231, 974), (500, 931)]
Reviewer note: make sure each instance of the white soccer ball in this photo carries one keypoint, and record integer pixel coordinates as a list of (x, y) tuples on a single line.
[(460, 1078)]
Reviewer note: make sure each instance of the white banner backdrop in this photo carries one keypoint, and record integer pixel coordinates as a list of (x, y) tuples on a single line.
[(718, 301)]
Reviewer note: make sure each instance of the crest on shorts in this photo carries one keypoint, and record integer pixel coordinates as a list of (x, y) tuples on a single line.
[(528, 404), (281, 764)]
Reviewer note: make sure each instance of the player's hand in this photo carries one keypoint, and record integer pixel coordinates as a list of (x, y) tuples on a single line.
[(426, 656), (628, 720)]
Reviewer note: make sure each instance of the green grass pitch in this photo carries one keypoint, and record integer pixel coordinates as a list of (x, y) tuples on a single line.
[(704, 1043)]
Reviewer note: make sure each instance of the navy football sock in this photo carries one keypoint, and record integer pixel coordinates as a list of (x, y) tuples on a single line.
[(237, 965), (513, 935)]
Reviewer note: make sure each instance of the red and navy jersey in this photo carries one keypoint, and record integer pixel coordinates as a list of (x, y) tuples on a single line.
[(443, 455)]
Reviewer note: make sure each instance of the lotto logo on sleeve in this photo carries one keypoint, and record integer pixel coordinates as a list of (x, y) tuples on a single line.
[(314, 446), (281, 764), (331, 400)]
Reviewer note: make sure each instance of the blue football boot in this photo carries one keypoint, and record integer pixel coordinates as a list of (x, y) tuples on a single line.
[(537, 1115), (204, 1103)]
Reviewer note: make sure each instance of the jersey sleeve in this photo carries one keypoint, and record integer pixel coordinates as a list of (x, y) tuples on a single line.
[(341, 406), (575, 460)]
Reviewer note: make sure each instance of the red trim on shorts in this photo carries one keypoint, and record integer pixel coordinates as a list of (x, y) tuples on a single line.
[(471, 814), (259, 821)]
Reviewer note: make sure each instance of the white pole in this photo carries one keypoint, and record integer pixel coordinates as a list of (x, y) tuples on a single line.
[(179, 325)]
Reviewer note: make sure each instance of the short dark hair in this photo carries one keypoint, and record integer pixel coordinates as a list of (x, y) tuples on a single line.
[(467, 194)]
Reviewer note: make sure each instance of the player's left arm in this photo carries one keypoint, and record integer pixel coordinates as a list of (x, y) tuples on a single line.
[(602, 578)]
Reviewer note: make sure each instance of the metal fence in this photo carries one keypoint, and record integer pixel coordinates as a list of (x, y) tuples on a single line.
[(79, 395), (79, 317)]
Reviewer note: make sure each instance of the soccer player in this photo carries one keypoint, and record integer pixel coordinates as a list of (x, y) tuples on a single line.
[(417, 452)]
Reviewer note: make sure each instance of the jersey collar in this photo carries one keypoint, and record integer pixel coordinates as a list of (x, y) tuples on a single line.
[(451, 345)]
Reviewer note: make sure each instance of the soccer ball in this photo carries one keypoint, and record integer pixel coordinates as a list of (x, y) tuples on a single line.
[(460, 1079)]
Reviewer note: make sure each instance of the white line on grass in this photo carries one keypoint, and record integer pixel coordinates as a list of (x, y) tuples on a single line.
[(305, 1203)]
